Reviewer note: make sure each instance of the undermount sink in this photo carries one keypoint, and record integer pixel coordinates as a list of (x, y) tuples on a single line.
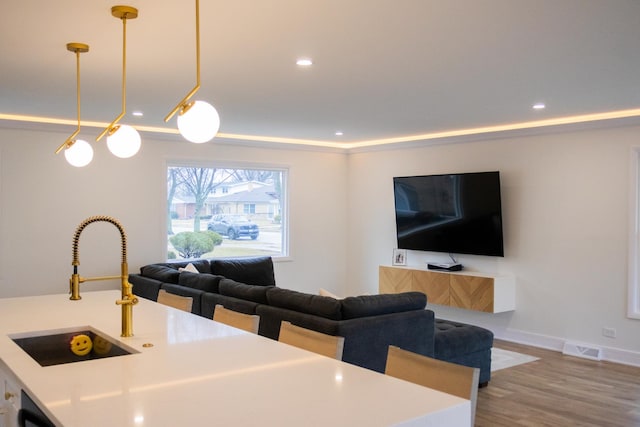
[(54, 347)]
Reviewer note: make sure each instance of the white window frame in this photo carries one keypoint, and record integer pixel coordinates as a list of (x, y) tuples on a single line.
[(633, 305)]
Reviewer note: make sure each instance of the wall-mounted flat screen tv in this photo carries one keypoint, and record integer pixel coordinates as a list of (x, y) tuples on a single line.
[(459, 213)]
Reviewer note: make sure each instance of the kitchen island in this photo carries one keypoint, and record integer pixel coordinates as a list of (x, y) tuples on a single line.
[(187, 370)]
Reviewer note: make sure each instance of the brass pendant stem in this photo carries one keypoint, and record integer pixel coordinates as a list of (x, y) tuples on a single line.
[(193, 91), (198, 43), (77, 48), (123, 13), (124, 66)]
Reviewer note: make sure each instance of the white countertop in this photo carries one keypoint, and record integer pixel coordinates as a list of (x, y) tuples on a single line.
[(200, 372)]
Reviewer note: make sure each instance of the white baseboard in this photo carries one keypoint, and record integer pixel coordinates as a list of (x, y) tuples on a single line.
[(609, 354)]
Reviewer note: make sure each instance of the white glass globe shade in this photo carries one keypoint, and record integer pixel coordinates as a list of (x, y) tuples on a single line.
[(79, 154), (124, 142), (200, 123)]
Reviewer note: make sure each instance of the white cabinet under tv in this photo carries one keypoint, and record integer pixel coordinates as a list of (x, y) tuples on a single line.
[(461, 289)]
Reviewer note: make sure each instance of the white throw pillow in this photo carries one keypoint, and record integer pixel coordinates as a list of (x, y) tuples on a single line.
[(326, 293), (190, 267)]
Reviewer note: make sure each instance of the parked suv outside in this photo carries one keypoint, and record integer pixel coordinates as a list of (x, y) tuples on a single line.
[(233, 226)]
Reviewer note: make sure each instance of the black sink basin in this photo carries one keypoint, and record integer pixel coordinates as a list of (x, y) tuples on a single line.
[(54, 347)]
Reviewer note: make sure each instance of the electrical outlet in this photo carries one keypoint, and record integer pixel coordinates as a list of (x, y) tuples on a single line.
[(609, 332)]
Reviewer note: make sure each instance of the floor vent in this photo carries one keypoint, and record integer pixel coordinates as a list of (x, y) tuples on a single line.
[(586, 352)]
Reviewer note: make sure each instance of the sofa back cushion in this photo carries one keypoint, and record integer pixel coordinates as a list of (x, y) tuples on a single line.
[(160, 272), (252, 271), (254, 293), (316, 305), (374, 305), (202, 281)]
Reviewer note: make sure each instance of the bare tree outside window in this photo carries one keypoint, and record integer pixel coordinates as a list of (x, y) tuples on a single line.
[(245, 207)]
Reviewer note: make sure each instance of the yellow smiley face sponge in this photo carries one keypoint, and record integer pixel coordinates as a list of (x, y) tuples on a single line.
[(100, 345), (81, 345)]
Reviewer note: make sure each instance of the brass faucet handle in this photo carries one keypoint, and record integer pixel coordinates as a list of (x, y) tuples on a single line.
[(128, 300)]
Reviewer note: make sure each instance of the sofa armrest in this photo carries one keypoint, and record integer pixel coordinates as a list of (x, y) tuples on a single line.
[(367, 339)]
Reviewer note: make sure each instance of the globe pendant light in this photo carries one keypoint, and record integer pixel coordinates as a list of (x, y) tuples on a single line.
[(77, 151), (122, 140), (198, 121), (79, 154)]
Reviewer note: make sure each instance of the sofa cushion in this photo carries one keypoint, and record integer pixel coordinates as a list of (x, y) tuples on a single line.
[(254, 293), (375, 305), (145, 287), (203, 282), (317, 305), (159, 272), (252, 271), (454, 339)]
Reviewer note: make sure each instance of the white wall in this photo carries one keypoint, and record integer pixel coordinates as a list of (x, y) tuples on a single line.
[(565, 212), (43, 199), (565, 198)]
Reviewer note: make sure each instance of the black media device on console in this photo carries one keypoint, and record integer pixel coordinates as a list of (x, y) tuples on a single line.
[(448, 266)]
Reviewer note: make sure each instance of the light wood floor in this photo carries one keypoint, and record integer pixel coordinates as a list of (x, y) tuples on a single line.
[(559, 390)]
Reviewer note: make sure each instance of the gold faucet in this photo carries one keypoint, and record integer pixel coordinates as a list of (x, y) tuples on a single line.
[(128, 300)]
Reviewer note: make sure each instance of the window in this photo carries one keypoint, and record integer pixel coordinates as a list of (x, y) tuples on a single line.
[(633, 309), (225, 212)]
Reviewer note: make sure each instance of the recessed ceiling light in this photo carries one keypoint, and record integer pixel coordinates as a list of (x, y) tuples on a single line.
[(539, 106), (138, 113), (339, 133), (304, 62)]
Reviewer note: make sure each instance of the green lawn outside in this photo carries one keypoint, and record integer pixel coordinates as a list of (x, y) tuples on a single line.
[(268, 242)]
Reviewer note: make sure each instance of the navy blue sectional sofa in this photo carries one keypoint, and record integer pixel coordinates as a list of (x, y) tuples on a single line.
[(369, 323)]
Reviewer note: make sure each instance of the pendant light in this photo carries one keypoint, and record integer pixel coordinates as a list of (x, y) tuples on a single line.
[(122, 140), (77, 151), (198, 121)]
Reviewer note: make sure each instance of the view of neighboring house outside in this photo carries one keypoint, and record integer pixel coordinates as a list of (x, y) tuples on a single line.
[(255, 199), (251, 198)]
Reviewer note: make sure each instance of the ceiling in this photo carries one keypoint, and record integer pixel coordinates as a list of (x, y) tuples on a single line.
[(382, 68)]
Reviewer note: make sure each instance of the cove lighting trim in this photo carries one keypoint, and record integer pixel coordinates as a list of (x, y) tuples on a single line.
[(583, 118), (568, 120)]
